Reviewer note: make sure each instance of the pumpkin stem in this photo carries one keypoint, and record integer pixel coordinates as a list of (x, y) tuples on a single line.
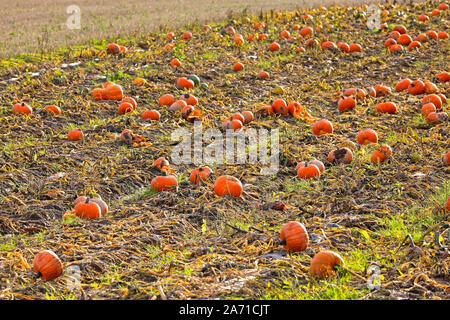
[(87, 200), (282, 242), (37, 275)]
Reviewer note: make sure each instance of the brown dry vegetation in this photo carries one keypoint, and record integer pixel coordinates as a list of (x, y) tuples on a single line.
[(35, 25)]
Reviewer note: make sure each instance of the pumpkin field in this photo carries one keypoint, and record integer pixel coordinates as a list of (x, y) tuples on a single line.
[(93, 205)]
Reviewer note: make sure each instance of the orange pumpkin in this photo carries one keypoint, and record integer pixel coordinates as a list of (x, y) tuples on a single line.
[(175, 62), (443, 76), (294, 237), (228, 185), (263, 74), (113, 92), (202, 173), (21, 108), (166, 99), (164, 183), (323, 265), (280, 106), (113, 48), (367, 136), (248, 116), (380, 154), (125, 107), (434, 99), (387, 107), (427, 109), (404, 39), (52, 109), (178, 105), (151, 114), (295, 109), (447, 158), (322, 127), (430, 87), (308, 172), (47, 266), (274, 46), (403, 85), (75, 135), (184, 83), (306, 32), (88, 209), (354, 47), (347, 103), (416, 87), (238, 67)]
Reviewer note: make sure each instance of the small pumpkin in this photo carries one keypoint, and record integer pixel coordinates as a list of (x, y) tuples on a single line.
[(175, 62), (178, 105), (274, 46), (347, 103), (184, 83), (263, 74), (340, 155), (52, 109), (47, 266), (434, 99), (21, 108), (416, 87), (427, 109), (202, 173), (248, 116), (164, 183), (322, 127), (400, 29), (238, 67), (403, 85), (125, 107), (166, 99), (280, 106), (354, 47), (113, 48), (380, 154), (151, 115), (323, 265), (437, 117), (387, 107), (75, 135), (306, 32), (265, 110), (228, 185), (294, 237), (367, 136), (102, 204), (113, 92), (430, 87), (186, 35), (295, 109), (443, 76), (88, 209), (190, 99), (308, 171)]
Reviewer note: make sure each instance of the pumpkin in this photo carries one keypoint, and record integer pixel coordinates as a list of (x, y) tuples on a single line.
[(354, 47), (294, 237), (340, 155), (228, 185), (404, 39), (285, 34), (166, 99), (127, 136), (382, 90), (178, 105), (416, 87), (233, 124), (238, 66), (437, 117), (306, 32), (88, 209), (164, 183), (347, 103), (434, 99), (367, 136), (262, 36), (151, 114), (447, 158), (389, 42), (160, 163), (97, 93), (312, 42), (423, 18), (263, 74), (102, 204), (47, 266), (295, 109), (443, 6), (75, 135), (248, 116), (113, 92), (443, 98), (274, 46), (190, 99), (170, 35), (189, 113), (237, 116), (414, 44), (394, 35), (430, 87), (308, 172), (280, 106), (432, 35), (265, 110), (387, 107), (52, 109), (443, 76), (184, 83), (122, 49), (125, 107), (435, 12), (343, 46), (381, 153), (403, 85), (427, 109), (22, 108), (328, 45), (202, 173), (400, 29), (348, 144), (186, 35), (322, 127), (396, 48), (113, 48), (422, 38), (324, 263), (175, 62)]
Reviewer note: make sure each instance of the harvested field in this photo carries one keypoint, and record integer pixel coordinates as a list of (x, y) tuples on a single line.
[(190, 243)]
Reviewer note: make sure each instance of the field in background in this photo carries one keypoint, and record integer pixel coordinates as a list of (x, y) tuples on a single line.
[(35, 25)]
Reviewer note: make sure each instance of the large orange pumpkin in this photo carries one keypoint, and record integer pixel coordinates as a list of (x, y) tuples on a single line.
[(324, 264), (47, 265), (294, 237)]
